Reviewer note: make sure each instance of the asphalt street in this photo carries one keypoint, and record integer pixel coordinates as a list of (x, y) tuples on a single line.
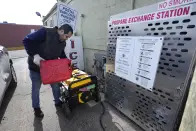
[(16, 113)]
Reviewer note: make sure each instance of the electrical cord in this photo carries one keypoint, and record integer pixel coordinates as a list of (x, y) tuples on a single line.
[(101, 116)]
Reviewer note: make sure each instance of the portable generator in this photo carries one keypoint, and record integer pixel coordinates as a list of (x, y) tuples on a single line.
[(79, 89)]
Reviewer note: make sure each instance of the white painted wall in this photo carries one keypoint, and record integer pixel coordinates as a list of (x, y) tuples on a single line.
[(93, 26), (53, 19)]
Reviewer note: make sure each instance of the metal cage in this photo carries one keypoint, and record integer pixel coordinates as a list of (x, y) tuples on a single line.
[(159, 109)]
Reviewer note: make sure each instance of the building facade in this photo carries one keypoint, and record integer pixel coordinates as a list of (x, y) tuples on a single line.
[(50, 20), (92, 22)]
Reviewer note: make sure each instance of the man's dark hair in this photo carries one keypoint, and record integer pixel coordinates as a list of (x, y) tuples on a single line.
[(67, 28)]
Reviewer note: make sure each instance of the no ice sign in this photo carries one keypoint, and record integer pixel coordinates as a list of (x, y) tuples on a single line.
[(74, 51)]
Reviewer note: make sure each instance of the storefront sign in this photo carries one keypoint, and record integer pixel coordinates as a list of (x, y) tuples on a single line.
[(173, 3), (159, 15), (66, 15), (74, 51)]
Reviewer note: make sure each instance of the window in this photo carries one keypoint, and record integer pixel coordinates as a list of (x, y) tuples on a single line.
[(51, 23)]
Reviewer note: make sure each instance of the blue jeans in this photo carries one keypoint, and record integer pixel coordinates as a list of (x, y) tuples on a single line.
[(36, 85)]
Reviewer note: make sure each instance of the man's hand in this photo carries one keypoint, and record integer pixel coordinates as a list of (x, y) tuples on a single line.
[(37, 59)]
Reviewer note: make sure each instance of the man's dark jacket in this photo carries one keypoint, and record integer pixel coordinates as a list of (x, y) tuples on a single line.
[(46, 43)]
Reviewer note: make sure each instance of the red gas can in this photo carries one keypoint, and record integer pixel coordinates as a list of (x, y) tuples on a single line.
[(53, 71)]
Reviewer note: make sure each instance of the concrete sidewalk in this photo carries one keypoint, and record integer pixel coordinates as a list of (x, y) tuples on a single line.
[(16, 113), (17, 54)]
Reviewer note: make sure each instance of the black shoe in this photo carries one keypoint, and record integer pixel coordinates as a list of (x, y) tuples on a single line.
[(38, 113), (59, 105)]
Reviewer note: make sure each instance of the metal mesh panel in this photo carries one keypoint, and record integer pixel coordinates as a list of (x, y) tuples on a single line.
[(155, 110)]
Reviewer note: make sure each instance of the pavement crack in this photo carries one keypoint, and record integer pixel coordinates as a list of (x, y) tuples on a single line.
[(18, 57), (27, 94)]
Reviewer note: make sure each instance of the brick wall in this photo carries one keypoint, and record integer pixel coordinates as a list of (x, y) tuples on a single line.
[(11, 35)]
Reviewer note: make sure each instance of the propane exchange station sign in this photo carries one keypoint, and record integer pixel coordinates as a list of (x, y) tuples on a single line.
[(133, 66), (165, 11), (66, 15), (137, 59)]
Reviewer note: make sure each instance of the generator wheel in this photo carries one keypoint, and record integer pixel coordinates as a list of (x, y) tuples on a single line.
[(66, 109)]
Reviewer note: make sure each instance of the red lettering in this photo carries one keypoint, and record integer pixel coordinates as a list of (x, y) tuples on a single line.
[(180, 11), (152, 18), (135, 19), (75, 65), (178, 2), (132, 19), (162, 13), (186, 10), (175, 12), (73, 57), (117, 22), (160, 6), (158, 15), (181, 1), (129, 20), (113, 22), (146, 18), (125, 21), (166, 14), (175, 2), (163, 5), (171, 13), (72, 44), (170, 3), (149, 16), (141, 18)]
